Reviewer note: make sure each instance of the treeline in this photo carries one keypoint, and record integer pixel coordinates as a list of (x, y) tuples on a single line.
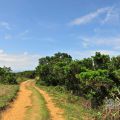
[(7, 76), (26, 74), (94, 78)]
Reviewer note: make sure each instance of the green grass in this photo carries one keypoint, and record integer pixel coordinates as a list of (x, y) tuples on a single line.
[(71, 104), (38, 108), (21, 79), (7, 94)]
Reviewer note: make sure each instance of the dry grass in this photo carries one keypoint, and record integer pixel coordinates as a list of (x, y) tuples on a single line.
[(7, 94)]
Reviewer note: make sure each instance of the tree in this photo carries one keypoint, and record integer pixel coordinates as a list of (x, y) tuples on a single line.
[(6, 76), (115, 62), (95, 85), (71, 82), (88, 63), (115, 76), (93, 78), (51, 69), (101, 61), (26, 74)]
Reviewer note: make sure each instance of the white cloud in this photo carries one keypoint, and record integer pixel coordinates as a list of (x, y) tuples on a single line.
[(91, 16), (19, 62), (1, 51), (112, 42), (24, 33), (25, 61), (18, 36), (8, 37), (89, 53), (5, 25), (112, 16), (108, 52)]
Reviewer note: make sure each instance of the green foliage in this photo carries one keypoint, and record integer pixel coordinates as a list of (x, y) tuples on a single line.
[(95, 85), (7, 94), (51, 69), (88, 63), (115, 61), (26, 74), (8, 89), (6, 76), (101, 61), (116, 76), (93, 78), (71, 82)]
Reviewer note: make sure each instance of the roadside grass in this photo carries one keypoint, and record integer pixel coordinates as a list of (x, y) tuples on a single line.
[(70, 103), (38, 110), (21, 79), (7, 94)]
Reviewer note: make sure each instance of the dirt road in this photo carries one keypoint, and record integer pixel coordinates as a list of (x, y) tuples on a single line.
[(32, 103)]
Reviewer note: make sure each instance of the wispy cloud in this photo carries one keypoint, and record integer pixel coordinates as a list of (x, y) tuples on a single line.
[(89, 53), (18, 36), (98, 41), (112, 16), (24, 61), (90, 17), (24, 33), (5, 25), (8, 37)]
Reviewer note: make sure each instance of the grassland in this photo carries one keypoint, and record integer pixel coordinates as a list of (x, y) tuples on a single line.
[(7, 94), (71, 104)]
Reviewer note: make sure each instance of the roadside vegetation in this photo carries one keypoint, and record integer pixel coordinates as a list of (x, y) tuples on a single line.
[(72, 105), (25, 75), (9, 84), (86, 89), (7, 76), (8, 87), (96, 79), (7, 94)]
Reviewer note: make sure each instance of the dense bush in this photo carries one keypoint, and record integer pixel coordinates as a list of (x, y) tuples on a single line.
[(6, 76), (51, 69), (94, 78), (26, 74), (95, 85)]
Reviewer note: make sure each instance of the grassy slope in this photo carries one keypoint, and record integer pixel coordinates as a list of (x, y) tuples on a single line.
[(71, 104), (38, 106), (7, 94)]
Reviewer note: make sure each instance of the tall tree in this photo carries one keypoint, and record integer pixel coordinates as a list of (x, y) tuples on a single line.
[(101, 61)]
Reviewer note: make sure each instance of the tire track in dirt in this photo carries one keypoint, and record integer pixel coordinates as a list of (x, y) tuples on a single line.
[(55, 112), (17, 109)]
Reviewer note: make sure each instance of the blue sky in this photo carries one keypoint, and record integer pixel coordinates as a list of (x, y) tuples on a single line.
[(30, 29)]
